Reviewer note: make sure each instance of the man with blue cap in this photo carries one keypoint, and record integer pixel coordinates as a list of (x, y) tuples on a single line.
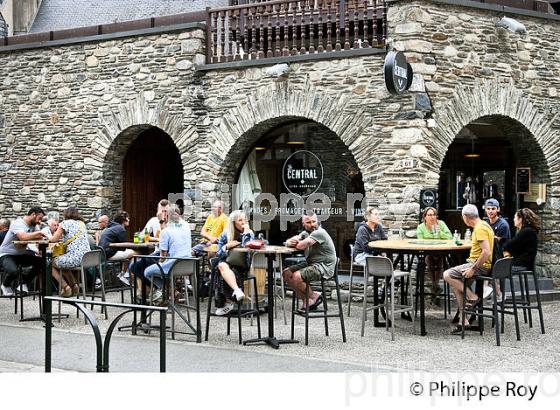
[(500, 227)]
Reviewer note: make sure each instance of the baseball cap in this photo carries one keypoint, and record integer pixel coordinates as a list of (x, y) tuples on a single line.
[(492, 202)]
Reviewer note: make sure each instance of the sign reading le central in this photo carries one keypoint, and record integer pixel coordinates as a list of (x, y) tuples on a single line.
[(302, 173)]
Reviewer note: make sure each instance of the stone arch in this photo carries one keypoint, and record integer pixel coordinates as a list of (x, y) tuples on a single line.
[(280, 102), (140, 114), (118, 128), (491, 97)]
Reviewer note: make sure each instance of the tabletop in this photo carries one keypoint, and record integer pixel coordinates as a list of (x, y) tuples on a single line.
[(420, 245), (34, 242), (268, 249), (132, 245)]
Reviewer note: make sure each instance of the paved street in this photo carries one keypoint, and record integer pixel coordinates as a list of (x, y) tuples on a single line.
[(74, 349)]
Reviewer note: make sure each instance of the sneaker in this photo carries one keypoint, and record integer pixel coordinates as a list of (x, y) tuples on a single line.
[(157, 295), (97, 284), (22, 289), (238, 295), (487, 292), (224, 310), (7, 291), (123, 278)]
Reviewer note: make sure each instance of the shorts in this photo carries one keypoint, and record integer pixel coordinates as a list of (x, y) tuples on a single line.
[(309, 273), (456, 272), (122, 255)]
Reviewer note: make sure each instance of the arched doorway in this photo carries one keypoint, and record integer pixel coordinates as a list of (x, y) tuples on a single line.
[(297, 142), (151, 170), (488, 159)]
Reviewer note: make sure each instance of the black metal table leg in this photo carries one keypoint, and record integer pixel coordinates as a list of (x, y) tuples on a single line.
[(270, 339)]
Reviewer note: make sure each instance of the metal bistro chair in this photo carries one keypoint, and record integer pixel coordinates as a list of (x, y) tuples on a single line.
[(106, 275), (239, 313), (352, 266), (90, 260), (319, 313), (186, 268), (381, 266), (523, 302), (501, 270)]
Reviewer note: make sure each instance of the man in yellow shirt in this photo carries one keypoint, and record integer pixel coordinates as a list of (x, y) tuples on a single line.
[(212, 229), (479, 261)]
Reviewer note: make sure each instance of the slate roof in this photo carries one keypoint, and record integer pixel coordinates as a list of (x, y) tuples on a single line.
[(62, 14)]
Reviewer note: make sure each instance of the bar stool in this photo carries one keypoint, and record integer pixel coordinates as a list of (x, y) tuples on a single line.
[(501, 270), (524, 300), (18, 295), (320, 313), (239, 314), (185, 268), (352, 266), (380, 266)]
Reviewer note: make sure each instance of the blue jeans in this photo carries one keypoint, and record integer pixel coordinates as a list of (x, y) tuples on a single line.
[(153, 272)]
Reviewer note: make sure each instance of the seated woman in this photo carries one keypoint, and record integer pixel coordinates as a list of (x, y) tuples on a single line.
[(433, 228), (369, 230), (72, 231), (175, 242), (523, 246), (232, 265)]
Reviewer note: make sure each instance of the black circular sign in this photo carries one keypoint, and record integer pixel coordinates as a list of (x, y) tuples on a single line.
[(302, 173), (398, 73), (428, 198)]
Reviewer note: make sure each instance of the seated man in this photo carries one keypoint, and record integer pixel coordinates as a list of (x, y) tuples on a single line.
[(4, 226), (12, 256), (479, 261), (50, 229), (115, 233), (212, 229), (175, 241), (502, 232), (102, 222), (320, 260), (157, 223)]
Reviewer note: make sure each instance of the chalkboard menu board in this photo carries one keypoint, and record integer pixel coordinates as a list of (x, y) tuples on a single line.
[(523, 180)]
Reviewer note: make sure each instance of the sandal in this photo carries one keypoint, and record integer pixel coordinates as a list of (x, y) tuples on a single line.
[(65, 291), (471, 304), (75, 289)]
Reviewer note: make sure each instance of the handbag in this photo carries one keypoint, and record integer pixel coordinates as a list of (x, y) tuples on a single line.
[(238, 259), (255, 244), (60, 248)]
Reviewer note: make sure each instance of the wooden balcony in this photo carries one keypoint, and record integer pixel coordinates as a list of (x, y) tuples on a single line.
[(261, 30)]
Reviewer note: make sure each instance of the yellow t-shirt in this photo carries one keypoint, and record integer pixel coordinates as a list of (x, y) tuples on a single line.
[(482, 231), (215, 225)]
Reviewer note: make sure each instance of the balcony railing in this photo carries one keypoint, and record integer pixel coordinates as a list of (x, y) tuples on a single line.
[(287, 28)]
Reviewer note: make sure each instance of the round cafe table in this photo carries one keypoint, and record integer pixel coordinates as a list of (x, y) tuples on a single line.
[(421, 248)]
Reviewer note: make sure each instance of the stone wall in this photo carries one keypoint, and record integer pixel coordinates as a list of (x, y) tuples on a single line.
[(469, 69), (68, 113)]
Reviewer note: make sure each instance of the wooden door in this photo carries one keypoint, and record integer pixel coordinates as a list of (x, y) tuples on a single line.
[(152, 169)]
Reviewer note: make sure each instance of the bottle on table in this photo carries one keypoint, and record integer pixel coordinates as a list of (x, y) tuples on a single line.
[(468, 235), (456, 236), (136, 237), (146, 236)]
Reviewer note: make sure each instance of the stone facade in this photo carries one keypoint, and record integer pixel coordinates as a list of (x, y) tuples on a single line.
[(68, 113)]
